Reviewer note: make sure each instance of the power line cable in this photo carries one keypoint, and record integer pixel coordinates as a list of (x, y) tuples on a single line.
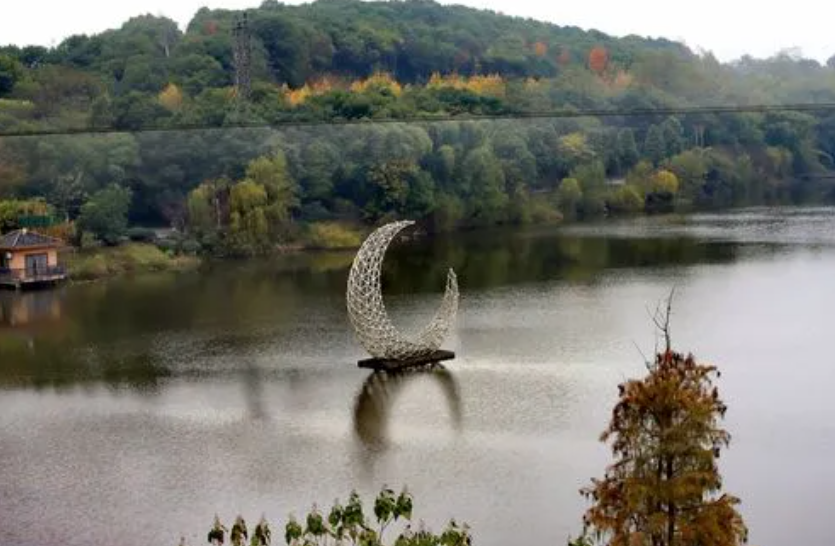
[(548, 114)]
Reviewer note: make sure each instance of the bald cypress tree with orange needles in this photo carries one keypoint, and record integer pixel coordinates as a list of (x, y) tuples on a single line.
[(664, 487)]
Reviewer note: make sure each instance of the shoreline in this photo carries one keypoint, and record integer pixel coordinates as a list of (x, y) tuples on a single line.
[(91, 265), (103, 263)]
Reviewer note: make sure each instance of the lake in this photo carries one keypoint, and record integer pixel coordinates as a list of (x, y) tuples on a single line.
[(132, 411)]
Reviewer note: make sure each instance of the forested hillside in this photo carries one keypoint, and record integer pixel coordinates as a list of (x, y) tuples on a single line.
[(170, 93)]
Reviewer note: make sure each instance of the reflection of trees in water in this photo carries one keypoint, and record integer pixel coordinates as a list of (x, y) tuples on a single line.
[(373, 405), (497, 258), (105, 332), (51, 364), (58, 338), (85, 333), (141, 372)]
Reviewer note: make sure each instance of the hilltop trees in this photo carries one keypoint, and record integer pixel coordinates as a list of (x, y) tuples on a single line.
[(598, 59)]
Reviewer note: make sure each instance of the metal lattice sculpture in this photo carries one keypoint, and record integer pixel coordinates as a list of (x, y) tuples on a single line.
[(367, 311)]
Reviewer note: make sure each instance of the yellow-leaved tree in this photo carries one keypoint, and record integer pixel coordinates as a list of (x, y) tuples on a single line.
[(492, 85), (296, 97), (171, 98), (379, 81), (664, 181)]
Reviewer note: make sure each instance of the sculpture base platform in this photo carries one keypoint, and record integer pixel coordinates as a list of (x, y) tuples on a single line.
[(384, 364)]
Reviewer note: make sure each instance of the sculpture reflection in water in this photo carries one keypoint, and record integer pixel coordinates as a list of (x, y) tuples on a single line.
[(376, 398), (253, 385)]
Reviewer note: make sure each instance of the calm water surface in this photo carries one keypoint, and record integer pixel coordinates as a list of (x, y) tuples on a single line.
[(132, 411)]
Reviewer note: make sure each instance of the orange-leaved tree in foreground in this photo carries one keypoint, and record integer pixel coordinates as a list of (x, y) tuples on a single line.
[(664, 488)]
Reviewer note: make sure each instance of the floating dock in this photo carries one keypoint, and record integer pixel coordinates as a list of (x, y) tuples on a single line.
[(385, 364)]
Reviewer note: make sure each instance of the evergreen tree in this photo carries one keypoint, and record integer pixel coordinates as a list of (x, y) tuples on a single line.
[(105, 215), (627, 148), (655, 148), (673, 136)]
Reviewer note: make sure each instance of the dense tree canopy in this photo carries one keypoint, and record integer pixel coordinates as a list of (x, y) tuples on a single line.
[(105, 215), (337, 60)]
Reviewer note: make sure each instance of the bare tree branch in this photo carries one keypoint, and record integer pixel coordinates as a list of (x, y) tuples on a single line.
[(654, 318), (647, 362), (662, 320)]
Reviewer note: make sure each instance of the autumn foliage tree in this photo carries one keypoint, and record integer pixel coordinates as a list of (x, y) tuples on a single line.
[(379, 81), (598, 59), (171, 98), (664, 487)]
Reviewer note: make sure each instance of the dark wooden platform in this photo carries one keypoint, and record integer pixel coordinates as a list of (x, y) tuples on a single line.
[(389, 365), (21, 283)]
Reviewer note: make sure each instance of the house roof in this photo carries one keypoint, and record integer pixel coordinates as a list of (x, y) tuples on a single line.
[(22, 238)]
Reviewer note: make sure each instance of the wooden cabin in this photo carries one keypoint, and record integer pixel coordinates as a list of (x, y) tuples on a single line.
[(28, 258)]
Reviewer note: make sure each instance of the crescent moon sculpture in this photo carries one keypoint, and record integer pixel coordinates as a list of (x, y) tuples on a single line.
[(367, 312)]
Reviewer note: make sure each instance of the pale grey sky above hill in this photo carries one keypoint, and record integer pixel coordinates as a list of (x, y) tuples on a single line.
[(728, 28)]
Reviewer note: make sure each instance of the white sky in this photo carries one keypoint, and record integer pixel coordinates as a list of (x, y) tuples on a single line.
[(728, 28)]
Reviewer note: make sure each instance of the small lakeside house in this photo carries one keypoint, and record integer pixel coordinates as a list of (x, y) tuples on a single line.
[(28, 258)]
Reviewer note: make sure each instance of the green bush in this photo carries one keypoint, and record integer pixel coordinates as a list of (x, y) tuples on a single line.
[(89, 268), (130, 258), (344, 524), (332, 236), (139, 257), (593, 204), (88, 240), (626, 199), (314, 212), (142, 235), (190, 247), (105, 214), (167, 245), (543, 212)]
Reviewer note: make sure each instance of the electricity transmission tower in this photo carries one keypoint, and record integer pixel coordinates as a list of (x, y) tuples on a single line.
[(242, 57)]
